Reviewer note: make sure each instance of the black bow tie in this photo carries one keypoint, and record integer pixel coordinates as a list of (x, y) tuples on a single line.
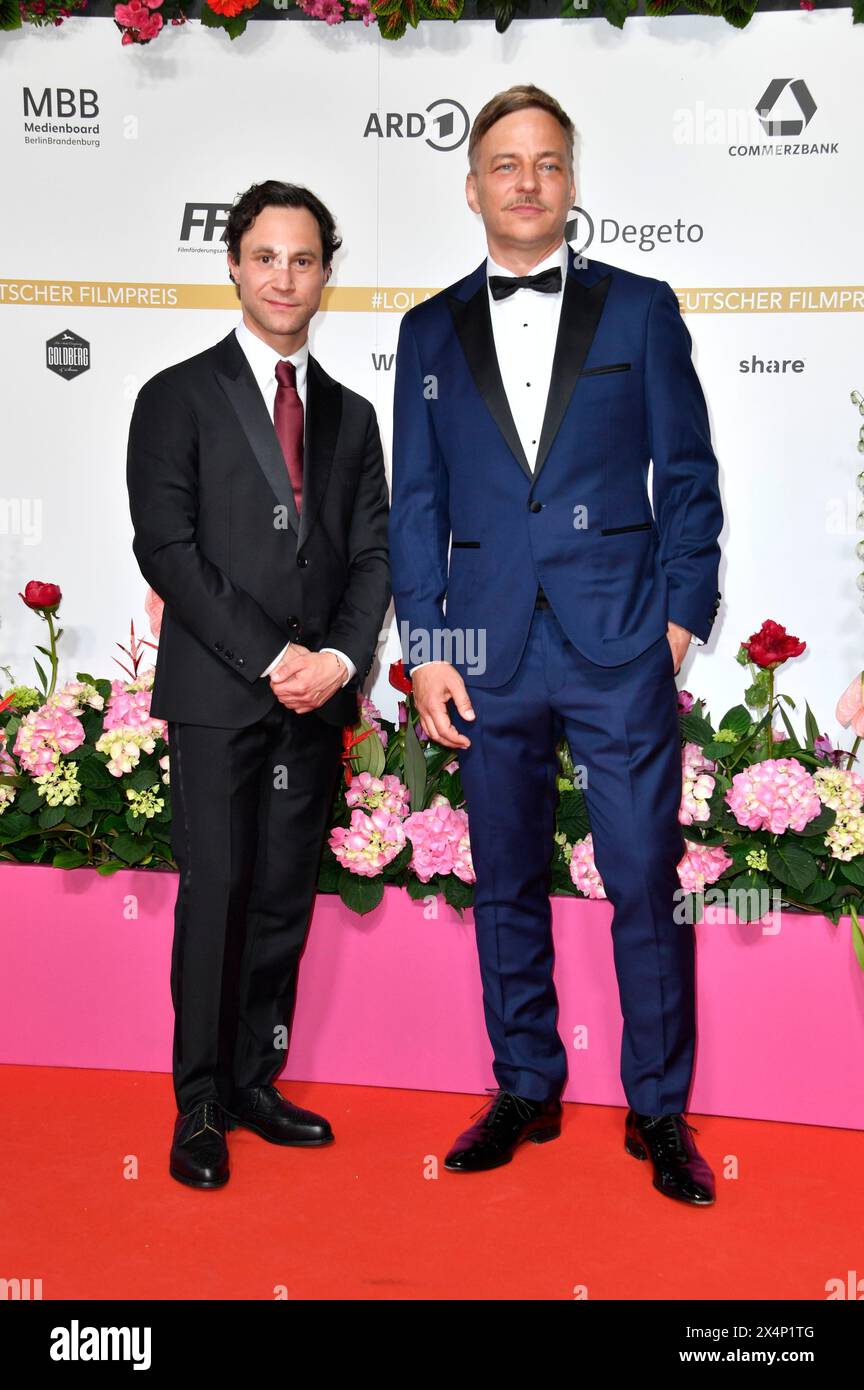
[(547, 282)]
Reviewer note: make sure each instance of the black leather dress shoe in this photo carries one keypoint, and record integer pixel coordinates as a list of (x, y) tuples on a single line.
[(199, 1153), (507, 1123), (680, 1171), (267, 1112)]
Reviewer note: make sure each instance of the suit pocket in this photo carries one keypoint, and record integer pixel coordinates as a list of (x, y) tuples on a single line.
[(465, 545), (617, 530), (612, 367)]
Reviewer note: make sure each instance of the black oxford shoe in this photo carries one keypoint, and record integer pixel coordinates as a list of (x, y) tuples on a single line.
[(199, 1153), (509, 1121), (267, 1112), (680, 1171)]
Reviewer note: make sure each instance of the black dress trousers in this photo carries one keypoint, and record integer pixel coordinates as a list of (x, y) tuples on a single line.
[(251, 808)]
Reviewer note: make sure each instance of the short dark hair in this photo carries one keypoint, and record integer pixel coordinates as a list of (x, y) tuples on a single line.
[(274, 193), (517, 98)]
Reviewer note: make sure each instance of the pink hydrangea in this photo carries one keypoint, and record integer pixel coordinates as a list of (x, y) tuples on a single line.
[(777, 795), (372, 792), (130, 709), (75, 694), (697, 785), (702, 864), (441, 843), (369, 843), (43, 735), (583, 870)]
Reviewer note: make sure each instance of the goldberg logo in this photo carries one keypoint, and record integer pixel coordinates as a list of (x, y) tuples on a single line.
[(580, 231), (67, 354), (447, 119), (797, 109)]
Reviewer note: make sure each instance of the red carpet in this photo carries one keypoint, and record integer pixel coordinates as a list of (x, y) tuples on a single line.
[(360, 1220)]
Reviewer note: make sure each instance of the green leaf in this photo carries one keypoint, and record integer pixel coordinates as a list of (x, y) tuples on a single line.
[(130, 849), (418, 890), (572, 816), (717, 749), (360, 893), (112, 866), (84, 677), (142, 778), (94, 773), (793, 865), (369, 756), (68, 859), (457, 893), (415, 768), (749, 896), (852, 869), (695, 729), (793, 737), (51, 816), (14, 823), (820, 889), (79, 815), (29, 799), (737, 720), (42, 677)]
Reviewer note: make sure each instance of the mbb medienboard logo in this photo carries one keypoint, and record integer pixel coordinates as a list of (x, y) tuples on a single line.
[(443, 126), (61, 116)]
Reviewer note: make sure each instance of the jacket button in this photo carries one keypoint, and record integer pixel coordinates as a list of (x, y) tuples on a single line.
[(535, 506), (230, 656), (218, 646), (302, 562), (240, 661)]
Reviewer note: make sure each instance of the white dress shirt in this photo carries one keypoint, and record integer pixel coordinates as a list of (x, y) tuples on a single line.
[(525, 329), (262, 359)]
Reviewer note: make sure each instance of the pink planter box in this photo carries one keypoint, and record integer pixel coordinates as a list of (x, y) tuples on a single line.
[(393, 999)]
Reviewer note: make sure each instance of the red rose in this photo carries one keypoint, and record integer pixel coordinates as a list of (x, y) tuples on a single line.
[(39, 596), (772, 645), (398, 678)]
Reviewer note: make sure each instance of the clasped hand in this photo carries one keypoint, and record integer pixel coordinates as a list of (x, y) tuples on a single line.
[(304, 679)]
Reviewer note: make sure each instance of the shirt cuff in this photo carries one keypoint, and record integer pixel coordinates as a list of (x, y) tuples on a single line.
[(275, 663), (351, 668), (696, 641)]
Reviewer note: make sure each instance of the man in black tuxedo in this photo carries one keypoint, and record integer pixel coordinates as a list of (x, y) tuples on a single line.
[(259, 502)]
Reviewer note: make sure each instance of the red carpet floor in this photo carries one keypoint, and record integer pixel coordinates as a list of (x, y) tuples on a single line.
[(362, 1220)]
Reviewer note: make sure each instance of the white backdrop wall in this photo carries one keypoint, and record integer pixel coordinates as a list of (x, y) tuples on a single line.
[(94, 244)]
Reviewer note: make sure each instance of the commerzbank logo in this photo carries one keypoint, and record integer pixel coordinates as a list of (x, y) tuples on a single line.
[(785, 107), (443, 125)]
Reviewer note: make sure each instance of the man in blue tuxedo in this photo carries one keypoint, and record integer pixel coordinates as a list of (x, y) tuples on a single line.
[(530, 398)]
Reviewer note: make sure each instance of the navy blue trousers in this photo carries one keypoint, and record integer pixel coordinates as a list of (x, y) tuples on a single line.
[(621, 725)]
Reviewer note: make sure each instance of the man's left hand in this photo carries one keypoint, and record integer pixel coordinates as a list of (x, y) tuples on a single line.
[(679, 640), (304, 680)]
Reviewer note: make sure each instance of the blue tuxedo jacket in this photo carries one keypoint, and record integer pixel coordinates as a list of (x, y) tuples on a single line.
[(623, 392)]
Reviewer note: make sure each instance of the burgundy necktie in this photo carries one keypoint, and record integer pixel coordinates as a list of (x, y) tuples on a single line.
[(288, 419)]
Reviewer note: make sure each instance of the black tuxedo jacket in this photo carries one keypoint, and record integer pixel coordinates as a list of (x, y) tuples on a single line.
[(217, 535)]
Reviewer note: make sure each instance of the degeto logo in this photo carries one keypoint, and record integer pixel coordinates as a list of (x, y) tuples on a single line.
[(444, 125)]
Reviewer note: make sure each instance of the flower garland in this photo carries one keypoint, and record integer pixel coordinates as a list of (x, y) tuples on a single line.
[(142, 21)]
